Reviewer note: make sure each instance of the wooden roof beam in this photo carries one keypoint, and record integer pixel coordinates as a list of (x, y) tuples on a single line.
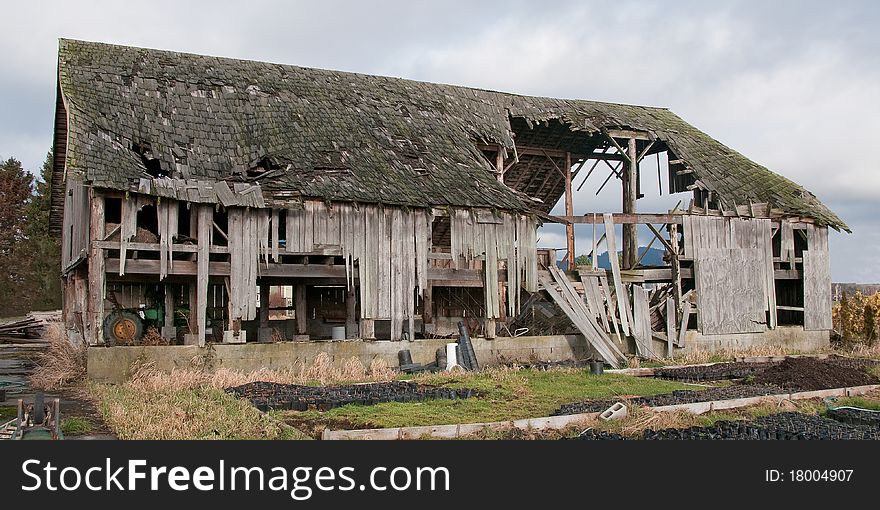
[(625, 134)]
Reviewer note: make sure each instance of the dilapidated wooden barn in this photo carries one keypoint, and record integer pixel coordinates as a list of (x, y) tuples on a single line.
[(189, 191)]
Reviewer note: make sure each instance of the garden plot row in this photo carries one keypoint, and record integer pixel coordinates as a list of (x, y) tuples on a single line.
[(791, 374), (265, 395), (796, 366), (715, 372), (783, 426)]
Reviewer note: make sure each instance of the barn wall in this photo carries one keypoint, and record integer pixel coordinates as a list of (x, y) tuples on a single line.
[(387, 249), (733, 271)]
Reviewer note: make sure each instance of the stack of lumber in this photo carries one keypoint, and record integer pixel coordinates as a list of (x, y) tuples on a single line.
[(29, 329)]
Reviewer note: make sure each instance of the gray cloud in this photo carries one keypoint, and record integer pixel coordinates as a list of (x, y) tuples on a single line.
[(791, 84)]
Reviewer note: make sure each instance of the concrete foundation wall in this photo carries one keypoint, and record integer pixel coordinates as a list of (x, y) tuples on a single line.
[(790, 338), (112, 364)]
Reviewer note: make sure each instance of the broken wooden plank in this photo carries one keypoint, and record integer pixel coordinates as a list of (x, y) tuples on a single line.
[(574, 307), (619, 291), (642, 323), (685, 319)]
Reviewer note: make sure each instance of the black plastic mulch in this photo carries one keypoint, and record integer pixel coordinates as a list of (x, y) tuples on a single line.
[(795, 370), (716, 372), (783, 426), (855, 416), (265, 395)]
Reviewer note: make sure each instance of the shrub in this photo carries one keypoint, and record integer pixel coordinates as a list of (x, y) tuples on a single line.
[(857, 317)]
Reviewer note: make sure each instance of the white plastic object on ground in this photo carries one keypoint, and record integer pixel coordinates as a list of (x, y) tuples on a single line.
[(451, 356)]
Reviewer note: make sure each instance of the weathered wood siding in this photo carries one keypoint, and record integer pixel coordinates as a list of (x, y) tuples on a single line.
[(166, 211), (733, 271), (730, 290), (496, 237), (74, 247), (817, 280)]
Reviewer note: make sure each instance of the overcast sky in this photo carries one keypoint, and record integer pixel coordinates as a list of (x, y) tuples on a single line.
[(792, 85)]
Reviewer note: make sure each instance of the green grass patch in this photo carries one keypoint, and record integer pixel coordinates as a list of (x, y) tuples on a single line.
[(76, 426), (861, 402), (504, 394), (7, 413)]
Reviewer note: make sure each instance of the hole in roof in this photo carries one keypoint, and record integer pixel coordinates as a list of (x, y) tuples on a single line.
[(262, 166), (152, 164)]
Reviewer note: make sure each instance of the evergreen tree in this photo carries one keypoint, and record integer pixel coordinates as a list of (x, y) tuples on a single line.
[(15, 195), (44, 249)]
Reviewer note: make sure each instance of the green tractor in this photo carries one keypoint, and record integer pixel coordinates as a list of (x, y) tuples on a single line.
[(126, 326)]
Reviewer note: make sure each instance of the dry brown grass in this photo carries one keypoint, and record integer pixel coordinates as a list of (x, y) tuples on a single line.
[(321, 370), (137, 411), (192, 404), (700, 357), (639, 418), (61, 364), (862, 350)]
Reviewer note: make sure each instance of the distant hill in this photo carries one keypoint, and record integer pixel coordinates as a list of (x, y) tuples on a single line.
[(654, 257)]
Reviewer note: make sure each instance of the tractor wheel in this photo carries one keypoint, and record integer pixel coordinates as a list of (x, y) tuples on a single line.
[(122, 327)]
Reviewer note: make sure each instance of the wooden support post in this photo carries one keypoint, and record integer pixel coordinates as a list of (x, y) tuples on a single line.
[(351, 327), (264, 305), (300, 305), (569, 211), (676, 268), (264, 333), (490, 329), (428, 309), (499, 164), (368, 329), (192, 324), (169, 332), (169, 306), (94, 327), (670, 326), (594, 263), (630, 195), (193, 220), (204, 224)]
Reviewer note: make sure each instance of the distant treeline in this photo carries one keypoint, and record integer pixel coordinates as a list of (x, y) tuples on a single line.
[(866, 289)]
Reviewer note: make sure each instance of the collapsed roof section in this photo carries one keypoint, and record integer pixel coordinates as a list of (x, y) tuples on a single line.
[(135, 114)]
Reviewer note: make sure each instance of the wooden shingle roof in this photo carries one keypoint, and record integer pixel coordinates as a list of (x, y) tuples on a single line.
[(341, 136)]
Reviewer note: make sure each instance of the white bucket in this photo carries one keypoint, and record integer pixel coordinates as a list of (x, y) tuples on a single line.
[(338, 333)]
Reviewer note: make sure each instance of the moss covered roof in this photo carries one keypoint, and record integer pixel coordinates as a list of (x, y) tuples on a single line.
[(343, 136)]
